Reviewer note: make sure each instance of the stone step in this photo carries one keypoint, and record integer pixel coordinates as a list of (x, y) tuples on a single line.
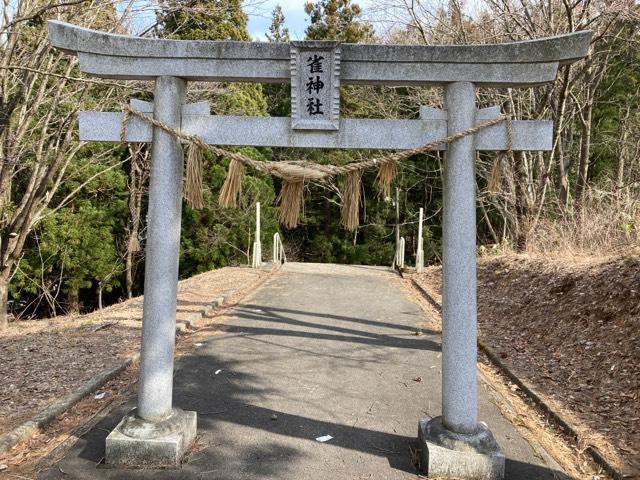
[(195, 319)]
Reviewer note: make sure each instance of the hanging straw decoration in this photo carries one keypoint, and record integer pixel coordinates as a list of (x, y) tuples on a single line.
[(232, 187), (193, 180), (296, 173), (386, 173), (495, 177), (351, 200), (290, 202)]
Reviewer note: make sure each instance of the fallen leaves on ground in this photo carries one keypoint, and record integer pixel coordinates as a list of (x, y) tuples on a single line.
[(571, 330)]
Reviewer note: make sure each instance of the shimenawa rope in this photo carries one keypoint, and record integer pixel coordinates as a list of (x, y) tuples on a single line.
[(296, 173)]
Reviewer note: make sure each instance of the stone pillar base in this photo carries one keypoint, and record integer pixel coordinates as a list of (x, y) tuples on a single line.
[(137, 442), (447, 454)]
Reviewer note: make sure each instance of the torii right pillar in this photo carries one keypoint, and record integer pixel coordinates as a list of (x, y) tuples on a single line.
[(456, 444)]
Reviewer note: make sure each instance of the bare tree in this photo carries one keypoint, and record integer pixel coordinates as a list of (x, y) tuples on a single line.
[(139, 177), (528, 179), (39, 98)]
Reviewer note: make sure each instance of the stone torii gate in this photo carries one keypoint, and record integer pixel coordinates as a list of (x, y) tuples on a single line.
[(455, 444)]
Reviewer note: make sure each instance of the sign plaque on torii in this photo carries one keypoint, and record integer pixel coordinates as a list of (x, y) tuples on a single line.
[(157, 433)]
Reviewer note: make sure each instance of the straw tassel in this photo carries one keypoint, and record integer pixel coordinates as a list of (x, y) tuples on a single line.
[(193, 180), (290, 202), (232, 187), (386, 173), (495, 177), (351, 201)]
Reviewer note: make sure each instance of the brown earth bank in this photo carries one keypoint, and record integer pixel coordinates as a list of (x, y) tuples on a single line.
[(41, 361), (569, 328)]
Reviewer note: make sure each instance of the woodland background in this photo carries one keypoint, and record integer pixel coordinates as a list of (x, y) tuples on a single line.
[(73, 214)]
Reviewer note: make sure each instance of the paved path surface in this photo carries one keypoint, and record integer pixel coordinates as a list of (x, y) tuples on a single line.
[(318, 350)]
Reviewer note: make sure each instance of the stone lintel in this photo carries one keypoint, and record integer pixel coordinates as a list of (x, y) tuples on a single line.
[(196, 108), (483, 114), (562, 48), (351, 73), (353, 133), (509, 64)]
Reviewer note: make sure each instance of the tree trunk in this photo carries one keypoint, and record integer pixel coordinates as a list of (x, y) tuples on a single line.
[(564, 165), (622, 150), (559, 152), (521, 201), (139, 175), (494, 236), (129, 273), (4, 297), (73, 301), (585, 139), (585, 151), (100, 296)]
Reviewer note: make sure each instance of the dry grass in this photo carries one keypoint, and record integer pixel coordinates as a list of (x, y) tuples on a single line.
[(605, 225)]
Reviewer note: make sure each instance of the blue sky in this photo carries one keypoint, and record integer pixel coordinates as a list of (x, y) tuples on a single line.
[(258, 11), (295, 18)]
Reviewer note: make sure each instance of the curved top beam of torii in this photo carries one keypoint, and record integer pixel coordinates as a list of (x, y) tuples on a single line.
[(516, 64)]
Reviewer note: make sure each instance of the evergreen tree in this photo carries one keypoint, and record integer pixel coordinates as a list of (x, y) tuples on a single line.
[(74, 252), (69, 222), (616, 105), (322, 236), (337, 20), (278, 95), (204, 20), (277, 31), (214, 237)]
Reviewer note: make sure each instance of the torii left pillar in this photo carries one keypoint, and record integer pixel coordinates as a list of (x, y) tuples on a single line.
[(156, 433)]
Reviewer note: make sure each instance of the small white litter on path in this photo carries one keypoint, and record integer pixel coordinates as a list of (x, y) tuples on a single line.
[(324, 438)]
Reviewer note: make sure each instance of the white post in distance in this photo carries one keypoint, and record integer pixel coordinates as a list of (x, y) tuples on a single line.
[(257, 244), (420, 250)]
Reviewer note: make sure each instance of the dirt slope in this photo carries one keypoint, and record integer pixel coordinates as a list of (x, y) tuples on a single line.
[(44, 360), (571, 329)]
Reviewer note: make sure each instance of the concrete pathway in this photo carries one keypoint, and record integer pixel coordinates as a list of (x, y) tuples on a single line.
[(318, 350)]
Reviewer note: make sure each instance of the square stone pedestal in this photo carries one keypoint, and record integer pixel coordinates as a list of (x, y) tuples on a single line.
[(447, 454), (135, 442)]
